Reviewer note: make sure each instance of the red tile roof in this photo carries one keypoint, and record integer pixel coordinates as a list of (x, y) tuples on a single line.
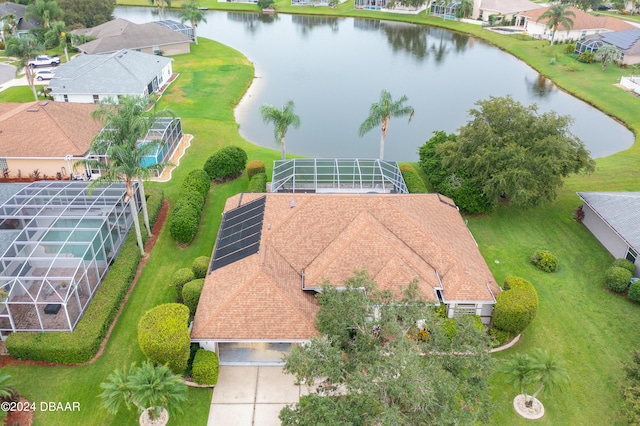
[(397, 238)]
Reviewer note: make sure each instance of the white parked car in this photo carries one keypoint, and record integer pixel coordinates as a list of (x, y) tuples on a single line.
[(44, 61), (44, 75)]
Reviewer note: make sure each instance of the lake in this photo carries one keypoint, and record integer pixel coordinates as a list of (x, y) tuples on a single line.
[(334, 69)]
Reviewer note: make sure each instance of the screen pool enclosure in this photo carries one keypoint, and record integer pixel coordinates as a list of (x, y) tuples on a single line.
[(337, 175), (57, 241)]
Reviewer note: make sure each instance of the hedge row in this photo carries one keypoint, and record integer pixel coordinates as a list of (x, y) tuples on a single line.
[(191, 294), (185, 217), (258, 183), (516, 306), (180, 278), (83, 343), (414, 182), (205, 368), (226, 163), (254, 167), (163, 335)]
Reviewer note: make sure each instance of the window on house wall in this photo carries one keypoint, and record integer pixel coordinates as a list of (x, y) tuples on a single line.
[(465, 309), (96, 99), (66, 98), (632, 255), (3, 164)]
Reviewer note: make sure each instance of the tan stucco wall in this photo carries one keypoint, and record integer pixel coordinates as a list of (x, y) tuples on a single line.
[(171, 49), (47, 167)]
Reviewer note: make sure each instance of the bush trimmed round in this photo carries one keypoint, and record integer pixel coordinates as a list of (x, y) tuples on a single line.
[(180, 278), (516, 306), (626, 264), (199, 266), (183, 224), (412, 179), (163, 336), (254, 167), (228, 162), (634, 291), (258, 183), (197, 180), (191, 294), (192, 198), (205, 368), (545, 260), (617, 279)]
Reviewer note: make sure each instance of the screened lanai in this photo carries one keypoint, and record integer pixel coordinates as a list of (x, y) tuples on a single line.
[(63, 242), (337, 175), (588, 45), (177, 27), (445, 9), (168, 130)]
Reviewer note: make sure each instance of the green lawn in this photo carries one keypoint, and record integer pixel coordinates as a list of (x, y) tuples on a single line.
[(593, 330)]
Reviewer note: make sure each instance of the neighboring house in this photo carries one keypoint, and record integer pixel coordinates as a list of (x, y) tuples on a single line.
[(57, 242), (614, 219), (508, 9), (93, 78), (584, 24), (388, 6), (627, 42), (121, 34), (274, 252), (51, 137), (22, 24)]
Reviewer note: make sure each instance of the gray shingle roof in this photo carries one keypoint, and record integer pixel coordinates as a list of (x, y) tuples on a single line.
[(621, 210), (120, 73), (121, 34)]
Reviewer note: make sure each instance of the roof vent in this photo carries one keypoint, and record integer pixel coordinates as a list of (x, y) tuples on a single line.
[(33, 110), (45, 103), (292, 203)]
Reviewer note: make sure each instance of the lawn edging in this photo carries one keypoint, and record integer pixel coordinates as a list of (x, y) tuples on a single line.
[(82, 344)]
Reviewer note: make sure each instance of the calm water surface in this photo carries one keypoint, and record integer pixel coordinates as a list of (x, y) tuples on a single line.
[(334, 68)]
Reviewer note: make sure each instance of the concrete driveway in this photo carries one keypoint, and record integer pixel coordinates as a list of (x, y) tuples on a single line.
[(252, 396)]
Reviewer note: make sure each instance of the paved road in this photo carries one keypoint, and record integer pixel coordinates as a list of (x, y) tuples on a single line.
[(7, 73)]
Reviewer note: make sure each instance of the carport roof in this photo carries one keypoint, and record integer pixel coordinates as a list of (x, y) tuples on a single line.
[(620, 210)]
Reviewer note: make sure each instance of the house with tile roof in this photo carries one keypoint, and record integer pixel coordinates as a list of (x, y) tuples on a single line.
[(627, 42), (93, 78), (584, 24), (614, 219), (22, 23), (45, 136), (119, 34), (482, 9), (275, 251)]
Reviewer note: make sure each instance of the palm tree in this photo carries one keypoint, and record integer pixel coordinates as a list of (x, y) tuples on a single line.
[(549, 372), (607, 54), (24, 48), (45, 11), (281, 118), (56, 35), (519, 370), (160, 5), (465, 9), (150, 388), (381, 112), (9, 25), (558, 15), (191, 12)]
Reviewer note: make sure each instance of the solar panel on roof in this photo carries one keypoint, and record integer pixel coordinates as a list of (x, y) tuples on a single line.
[(622, 39), (239, 234)]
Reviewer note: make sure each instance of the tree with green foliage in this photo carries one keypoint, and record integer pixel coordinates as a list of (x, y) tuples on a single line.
[(86, 13), (125, 124), (464, 9), (518, 370), (557, 15), (191, 12), (56, 35), (151, 388), (45, 11), (387, 360), (281, 118), (381, 112), (583, 4), (24, 49), (512, 152), (607, 55), (9, 25)]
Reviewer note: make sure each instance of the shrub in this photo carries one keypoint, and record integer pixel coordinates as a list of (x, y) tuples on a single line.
[(516, 306), (258, 183), (414, 182), (83, 343), (205, 368), (200, 266), (180, 278), (163, 335), (183, 224), (634, 291), (587, 57), (192, 198), (498, 337), (617, 279), (228, 162), (626, 264), (545, 260), (254, 167), (191, 294), (197, 180)]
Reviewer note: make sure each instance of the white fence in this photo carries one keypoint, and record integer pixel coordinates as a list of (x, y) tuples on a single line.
[(631, 83)]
